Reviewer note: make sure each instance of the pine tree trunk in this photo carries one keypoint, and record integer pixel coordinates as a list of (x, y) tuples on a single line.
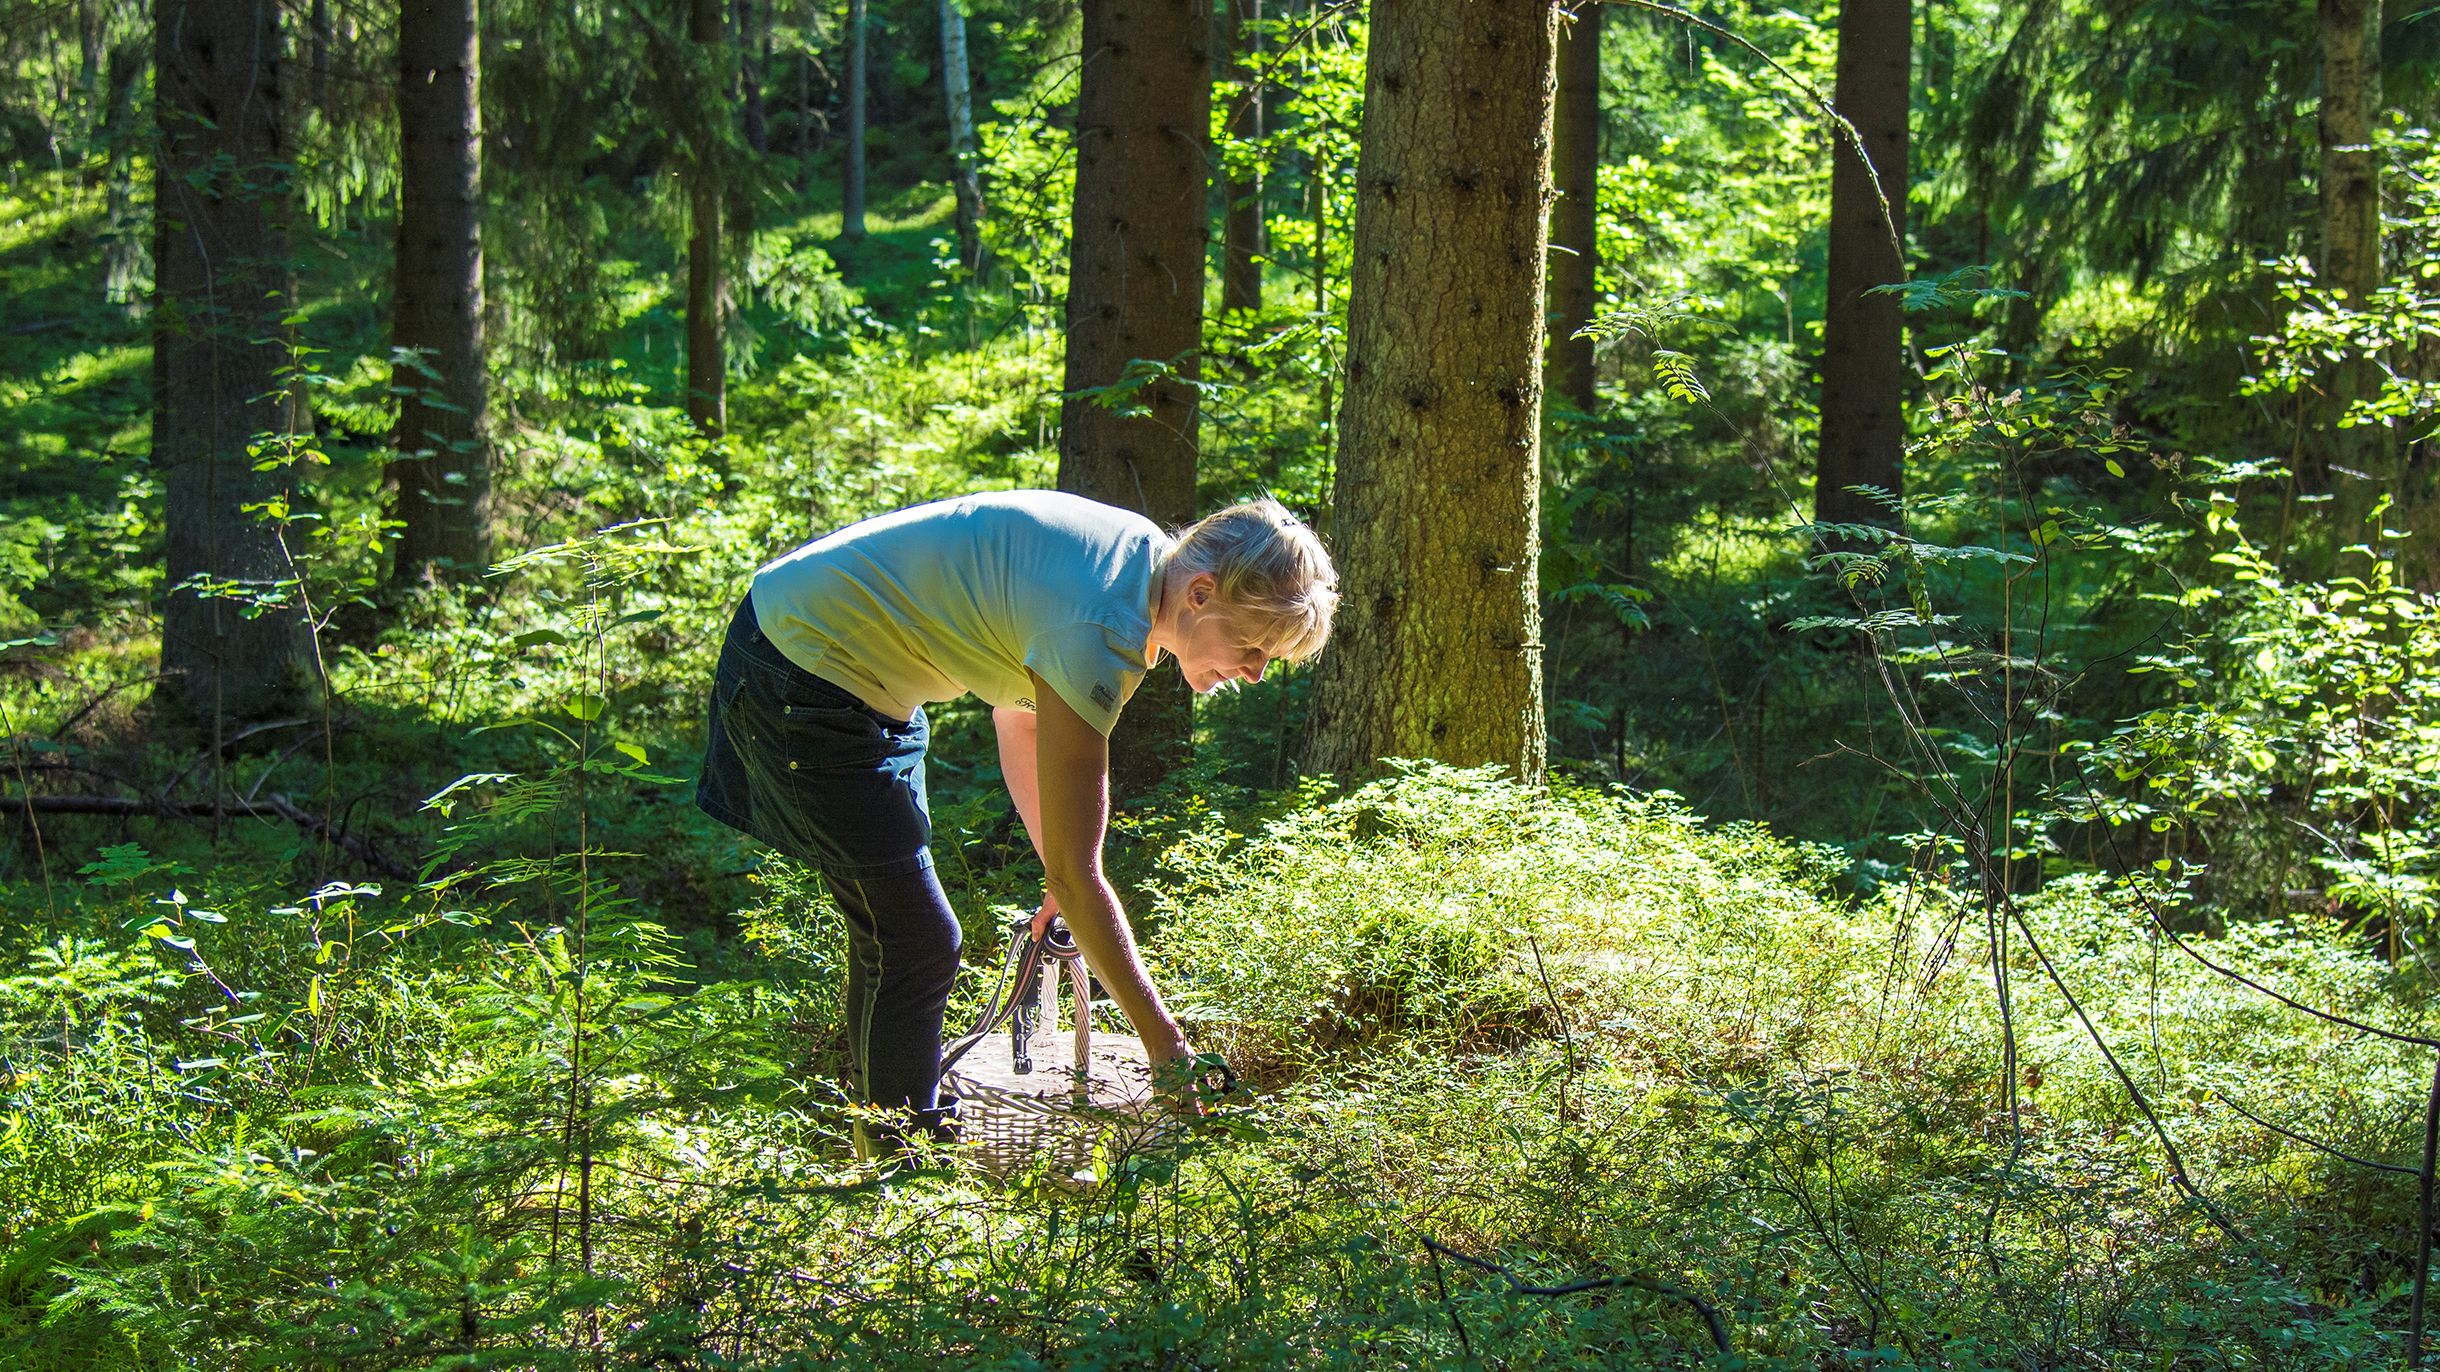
[(1863, 419), (958, 89), (2360, 465), (1140, 230), (1437, 651), (1575, 167), (444, 477), (851, 214), (1242, 238), (707, 402), (222, 290)]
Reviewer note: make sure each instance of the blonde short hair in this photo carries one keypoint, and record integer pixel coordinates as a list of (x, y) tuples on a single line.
[(1272, 570)]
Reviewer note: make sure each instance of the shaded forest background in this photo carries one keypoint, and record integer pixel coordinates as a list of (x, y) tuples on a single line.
[(2135, 643)]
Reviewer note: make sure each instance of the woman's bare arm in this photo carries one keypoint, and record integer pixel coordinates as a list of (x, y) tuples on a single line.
[(1070, 793)]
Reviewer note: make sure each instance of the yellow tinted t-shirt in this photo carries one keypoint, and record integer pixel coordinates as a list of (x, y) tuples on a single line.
[(961, 595)]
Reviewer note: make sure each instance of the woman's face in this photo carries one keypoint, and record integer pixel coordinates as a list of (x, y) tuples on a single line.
[(1211, 641)]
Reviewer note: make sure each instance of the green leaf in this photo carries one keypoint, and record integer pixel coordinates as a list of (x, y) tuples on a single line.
[(537, 637), (1675, 372), (632, 751), (587, 706), (2115, 469)]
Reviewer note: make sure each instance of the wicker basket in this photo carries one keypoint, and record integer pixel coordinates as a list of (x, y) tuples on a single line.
[(1052, 1116)]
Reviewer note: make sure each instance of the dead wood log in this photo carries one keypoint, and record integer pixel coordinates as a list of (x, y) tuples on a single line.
[(272, 807)]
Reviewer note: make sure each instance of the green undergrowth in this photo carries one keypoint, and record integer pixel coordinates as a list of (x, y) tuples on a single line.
[(1575, 1036)]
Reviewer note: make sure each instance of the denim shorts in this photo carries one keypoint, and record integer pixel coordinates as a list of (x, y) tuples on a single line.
[(810, 770)]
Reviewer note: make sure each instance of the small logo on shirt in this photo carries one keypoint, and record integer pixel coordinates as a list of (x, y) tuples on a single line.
[(1025, 702), (1104, 697)]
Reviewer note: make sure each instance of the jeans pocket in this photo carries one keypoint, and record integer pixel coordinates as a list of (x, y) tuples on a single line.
[(819, 737)]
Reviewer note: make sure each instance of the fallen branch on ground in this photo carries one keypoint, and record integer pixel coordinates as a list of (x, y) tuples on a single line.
[(273, 807), (1711, 1314)]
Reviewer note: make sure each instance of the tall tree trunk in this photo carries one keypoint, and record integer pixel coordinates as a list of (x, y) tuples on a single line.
[(1242, 244), (707, 397), (2351, 246), (1575, 167), (804, 122), (444, 437), (1437, 652), (1140, 230), (959, 90), (753, 54), (92, 31), (318, 21), (127, 259), (851, 213), (1863, 424), (222, 291)]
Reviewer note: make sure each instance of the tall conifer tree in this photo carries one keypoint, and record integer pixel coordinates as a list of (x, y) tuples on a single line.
[(1863, 367), (1437, 652), (436, 309), (222, 293), (1575, 171), (1139, 232)]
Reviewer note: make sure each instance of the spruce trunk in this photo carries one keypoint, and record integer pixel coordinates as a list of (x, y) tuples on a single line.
[(1437, 651), (1863, 418), (1575, 170), (1140, 230), (1242, 242), (222, 293), (436, 314)]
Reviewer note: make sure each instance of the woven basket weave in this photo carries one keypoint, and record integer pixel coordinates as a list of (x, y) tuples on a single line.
[(1054, 1117)]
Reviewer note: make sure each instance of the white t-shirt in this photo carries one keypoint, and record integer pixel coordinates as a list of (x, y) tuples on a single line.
[(962, 595)]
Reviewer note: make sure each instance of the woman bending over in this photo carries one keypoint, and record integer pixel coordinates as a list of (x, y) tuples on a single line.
[(1049, 607)]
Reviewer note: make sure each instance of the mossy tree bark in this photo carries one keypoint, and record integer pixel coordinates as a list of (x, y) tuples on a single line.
[(1575, 168), (222, 291), (1437, 651), (1139, 233), (1242, 227), (1863, 368), (436, 311)]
